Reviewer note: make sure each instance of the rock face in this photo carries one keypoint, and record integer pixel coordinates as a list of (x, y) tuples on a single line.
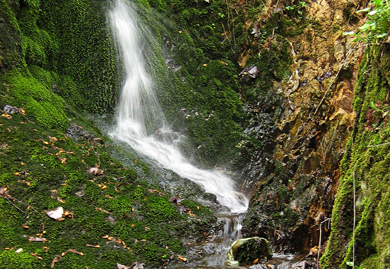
[(248, 251), (303, 122)]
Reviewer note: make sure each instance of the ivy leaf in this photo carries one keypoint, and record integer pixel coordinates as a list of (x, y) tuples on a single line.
[(381, 35), (377, 2)]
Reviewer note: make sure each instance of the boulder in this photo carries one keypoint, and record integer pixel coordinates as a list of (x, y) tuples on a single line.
[(247, 251)]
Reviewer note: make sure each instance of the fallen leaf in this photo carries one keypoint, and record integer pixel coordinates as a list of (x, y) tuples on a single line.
[(189, 213), (53, 138), (56, 213), (182, 258), (63, 160), (109, 197), (121, 266), (147, 229), (35, 255), (93, 246), (255, 261), (19, 250), (22, 111), (60, 200), (16, 174), (46, 249), (26, 226), (7, 116), (74, 251), (37, 239), (56, 259), (95, 170), (3, 192)]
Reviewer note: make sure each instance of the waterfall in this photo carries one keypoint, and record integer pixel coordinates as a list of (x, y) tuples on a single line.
[(140, 115)]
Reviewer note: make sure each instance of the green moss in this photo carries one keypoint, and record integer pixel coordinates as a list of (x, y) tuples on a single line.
[(368, 166), (114, 204)]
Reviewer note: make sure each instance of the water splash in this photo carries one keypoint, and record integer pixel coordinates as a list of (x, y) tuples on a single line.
[(140, 115)]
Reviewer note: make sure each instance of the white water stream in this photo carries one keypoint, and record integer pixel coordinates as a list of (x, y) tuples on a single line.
[(140, 115)]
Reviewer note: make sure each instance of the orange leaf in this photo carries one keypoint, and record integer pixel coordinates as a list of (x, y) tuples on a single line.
[(182, 258), (7, 116)]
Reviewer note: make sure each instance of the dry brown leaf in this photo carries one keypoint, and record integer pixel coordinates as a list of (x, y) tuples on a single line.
[(56, 213), (121, 266), (22, 111), (16, 173), (46, 249), (95, 170), (63, 160), (3, 192), (35, 255), (72, 250), (109, 197), (182, 258), (53, 138), (56, 259), (255, 261), (37, 239), (4, 146), (93, 246), (60, 200), (7, 116), (147, 229)]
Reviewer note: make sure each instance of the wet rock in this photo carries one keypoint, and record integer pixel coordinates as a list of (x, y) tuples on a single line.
[(246, 251), (77, 133), (10, 109), (249, 72)]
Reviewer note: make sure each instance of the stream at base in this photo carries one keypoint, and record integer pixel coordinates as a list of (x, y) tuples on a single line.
[(212, 253)]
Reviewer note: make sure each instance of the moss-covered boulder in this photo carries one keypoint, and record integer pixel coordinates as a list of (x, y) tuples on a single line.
[(248, 251)]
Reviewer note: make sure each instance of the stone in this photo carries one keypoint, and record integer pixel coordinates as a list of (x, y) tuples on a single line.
[(246, 251), (10, 109)]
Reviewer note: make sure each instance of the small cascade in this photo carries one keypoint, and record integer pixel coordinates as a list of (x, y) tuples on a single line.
[(141, 123), (212, 253)]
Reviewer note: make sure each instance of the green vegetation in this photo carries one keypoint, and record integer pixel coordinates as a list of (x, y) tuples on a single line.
[(112, 208), (377, 25), (366, 161)]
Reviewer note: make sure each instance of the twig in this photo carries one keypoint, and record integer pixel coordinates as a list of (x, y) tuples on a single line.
[(319, 244), (374, 146), (14, 205)]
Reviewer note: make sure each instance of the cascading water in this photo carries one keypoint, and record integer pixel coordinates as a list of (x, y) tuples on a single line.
[(140, 119), (139, 115)]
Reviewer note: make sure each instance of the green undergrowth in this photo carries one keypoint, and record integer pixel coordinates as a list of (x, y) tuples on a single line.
[(70, 38), (367, 161), (115, 210)]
